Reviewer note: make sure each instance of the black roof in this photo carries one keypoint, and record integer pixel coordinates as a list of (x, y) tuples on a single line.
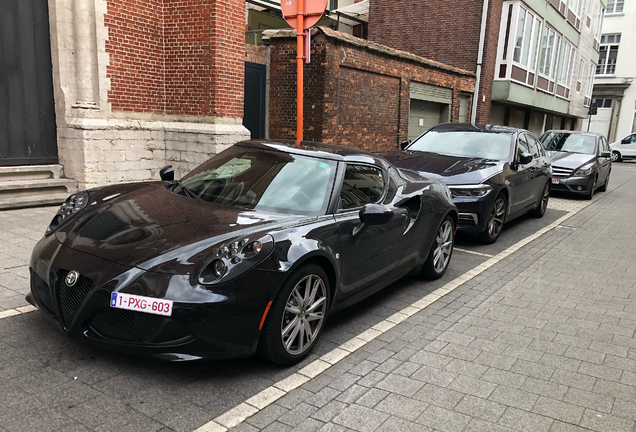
[(472, 127), (319, 150)]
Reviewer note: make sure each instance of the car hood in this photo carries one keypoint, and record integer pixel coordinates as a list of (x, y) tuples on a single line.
[(569, 160), (147, 226), (447, 169)]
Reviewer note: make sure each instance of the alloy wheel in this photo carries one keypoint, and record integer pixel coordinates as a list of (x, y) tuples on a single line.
[(443, 246), (544, 198), (304, 314), (496, 220), (615, 156)]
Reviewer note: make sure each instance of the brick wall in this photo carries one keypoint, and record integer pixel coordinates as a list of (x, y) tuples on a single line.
[(256, 54), (356, 92), (179, 57), (443, 30)]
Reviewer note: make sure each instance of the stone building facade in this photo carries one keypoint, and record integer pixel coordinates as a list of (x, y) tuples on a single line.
[(140, 84), (358, 93)]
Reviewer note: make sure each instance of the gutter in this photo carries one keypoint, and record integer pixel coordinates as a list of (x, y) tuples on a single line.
[(480, 58)]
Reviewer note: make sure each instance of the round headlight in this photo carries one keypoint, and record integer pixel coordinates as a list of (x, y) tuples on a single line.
[(256, 247), (213, 272), (219, 268)]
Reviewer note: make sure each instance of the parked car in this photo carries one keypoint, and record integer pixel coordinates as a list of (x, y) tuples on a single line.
[(250, 251), (580, 161), (624, 149), (495, 173)]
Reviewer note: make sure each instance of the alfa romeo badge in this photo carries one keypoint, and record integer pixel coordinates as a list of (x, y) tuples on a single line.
[(71, 278)]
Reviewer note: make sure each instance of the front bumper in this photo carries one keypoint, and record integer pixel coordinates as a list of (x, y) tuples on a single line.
[(205, 324), (474, 212), (576, 185)]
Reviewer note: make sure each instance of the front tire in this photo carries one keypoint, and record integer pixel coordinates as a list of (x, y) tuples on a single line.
[(616, 156), (590, 194), (543, 202), (297, 316), (606, 184), (496, 220), (441, 251)]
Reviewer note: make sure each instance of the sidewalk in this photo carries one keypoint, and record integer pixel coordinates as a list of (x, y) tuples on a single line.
[(541, 341)]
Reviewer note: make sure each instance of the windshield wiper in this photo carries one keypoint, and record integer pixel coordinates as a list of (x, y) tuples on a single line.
[(185, 189)]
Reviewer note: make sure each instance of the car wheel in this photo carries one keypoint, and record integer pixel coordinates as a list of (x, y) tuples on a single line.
[(496, 220), (616, 157), (543, 202), (606, 184), (590, 194), (297, 316), (441, 251)]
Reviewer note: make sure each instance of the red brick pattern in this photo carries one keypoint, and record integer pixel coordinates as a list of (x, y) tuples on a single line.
[(355, 95), (183, 57), (441, 30), (256, 54)]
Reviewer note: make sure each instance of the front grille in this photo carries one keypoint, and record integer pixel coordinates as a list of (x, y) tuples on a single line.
[(41, 291), (71, 298), (125, 325), (561, 172)]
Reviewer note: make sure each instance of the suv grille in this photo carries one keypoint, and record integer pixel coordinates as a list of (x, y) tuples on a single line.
[(71, 298), (41, 291), (125, 325), (561, 172)]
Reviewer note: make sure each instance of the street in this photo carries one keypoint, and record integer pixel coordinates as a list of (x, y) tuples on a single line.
[(534, 332)]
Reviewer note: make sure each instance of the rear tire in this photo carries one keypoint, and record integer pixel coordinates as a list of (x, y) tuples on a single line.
[(616, 156), (441, 251), (496, 220), (297, 316), (542, 206)]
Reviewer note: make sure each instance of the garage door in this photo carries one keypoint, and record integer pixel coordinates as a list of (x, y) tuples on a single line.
[(424, 115)]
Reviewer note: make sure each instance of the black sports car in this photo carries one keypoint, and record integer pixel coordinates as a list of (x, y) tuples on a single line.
[(495, 173), (250, 251)]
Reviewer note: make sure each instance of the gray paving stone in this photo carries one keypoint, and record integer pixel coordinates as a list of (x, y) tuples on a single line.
[(360, 418), (439, 396), (323, 397), (480, 408), (513, 398), (505, 378), (605, 422), (573, 379), (267, 416), (600, 371), (589, 400), (514, 418), (472, 386), (297, 415), (329, 411), (478, 425), (467, 368), (442, 419), (544, 388), (434, 376), (624, 409), (372, 397), (401, 406), (532, 369), (396, 424), (352, 394), (400, 385), (558, 410)]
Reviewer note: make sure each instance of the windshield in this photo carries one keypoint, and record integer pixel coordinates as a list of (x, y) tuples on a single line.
[(464, 143), (569, 142), (263, 180)]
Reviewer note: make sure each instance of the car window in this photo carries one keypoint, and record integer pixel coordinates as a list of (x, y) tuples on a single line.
[(522, 146), (569, 142), (604, 144), (363, 184), (533, 145), (263, 180), (632, 139), (484, 145)]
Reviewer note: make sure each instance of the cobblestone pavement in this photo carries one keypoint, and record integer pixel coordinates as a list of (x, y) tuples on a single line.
[(541, 338)]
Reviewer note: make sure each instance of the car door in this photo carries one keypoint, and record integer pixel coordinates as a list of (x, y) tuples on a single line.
[(628, 146), (520, 179), (369, 255), (605, 163), (539, 167)]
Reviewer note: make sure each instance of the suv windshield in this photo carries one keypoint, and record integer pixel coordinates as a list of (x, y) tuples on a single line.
[(569, 142), (483, 145), (263, 180)]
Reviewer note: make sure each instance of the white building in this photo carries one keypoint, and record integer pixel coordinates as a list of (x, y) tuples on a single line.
[(614, 90)]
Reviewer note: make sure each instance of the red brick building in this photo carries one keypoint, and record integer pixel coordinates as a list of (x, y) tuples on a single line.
[(362, 94)]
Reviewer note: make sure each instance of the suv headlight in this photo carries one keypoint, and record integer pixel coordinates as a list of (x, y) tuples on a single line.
[(584, 171), (470, 191), (234, 259), (72, 205)]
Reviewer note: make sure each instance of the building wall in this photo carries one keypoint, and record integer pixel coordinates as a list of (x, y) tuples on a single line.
[(140, 85), (356, 92)]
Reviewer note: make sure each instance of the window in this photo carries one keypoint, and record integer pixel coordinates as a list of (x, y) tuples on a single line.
[(549, 53), (527, 38), (579, 81), (566, 64), (534, 146), (590, 86), (602, 103), (599, 24), (362, 185), (615, 6), (576, 6), (522, 146), (608, 54)]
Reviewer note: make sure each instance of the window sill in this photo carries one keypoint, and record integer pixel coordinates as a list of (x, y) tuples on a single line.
[(618, 14)]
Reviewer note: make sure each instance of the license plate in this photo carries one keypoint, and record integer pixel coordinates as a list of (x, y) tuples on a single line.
[(141, 304), (556, 181)]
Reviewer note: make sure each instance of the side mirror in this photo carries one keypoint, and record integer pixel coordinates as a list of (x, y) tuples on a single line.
[(371, 214), (525, 158), (405, 144), (167, 173), (606, 154)]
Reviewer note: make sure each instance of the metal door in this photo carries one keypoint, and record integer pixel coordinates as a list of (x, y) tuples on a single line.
[(254, 101), (27, 107)]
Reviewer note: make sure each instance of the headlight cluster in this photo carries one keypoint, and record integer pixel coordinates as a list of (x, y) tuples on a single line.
[(72, 205), (584, 171), (234, 258), (470, 191)]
